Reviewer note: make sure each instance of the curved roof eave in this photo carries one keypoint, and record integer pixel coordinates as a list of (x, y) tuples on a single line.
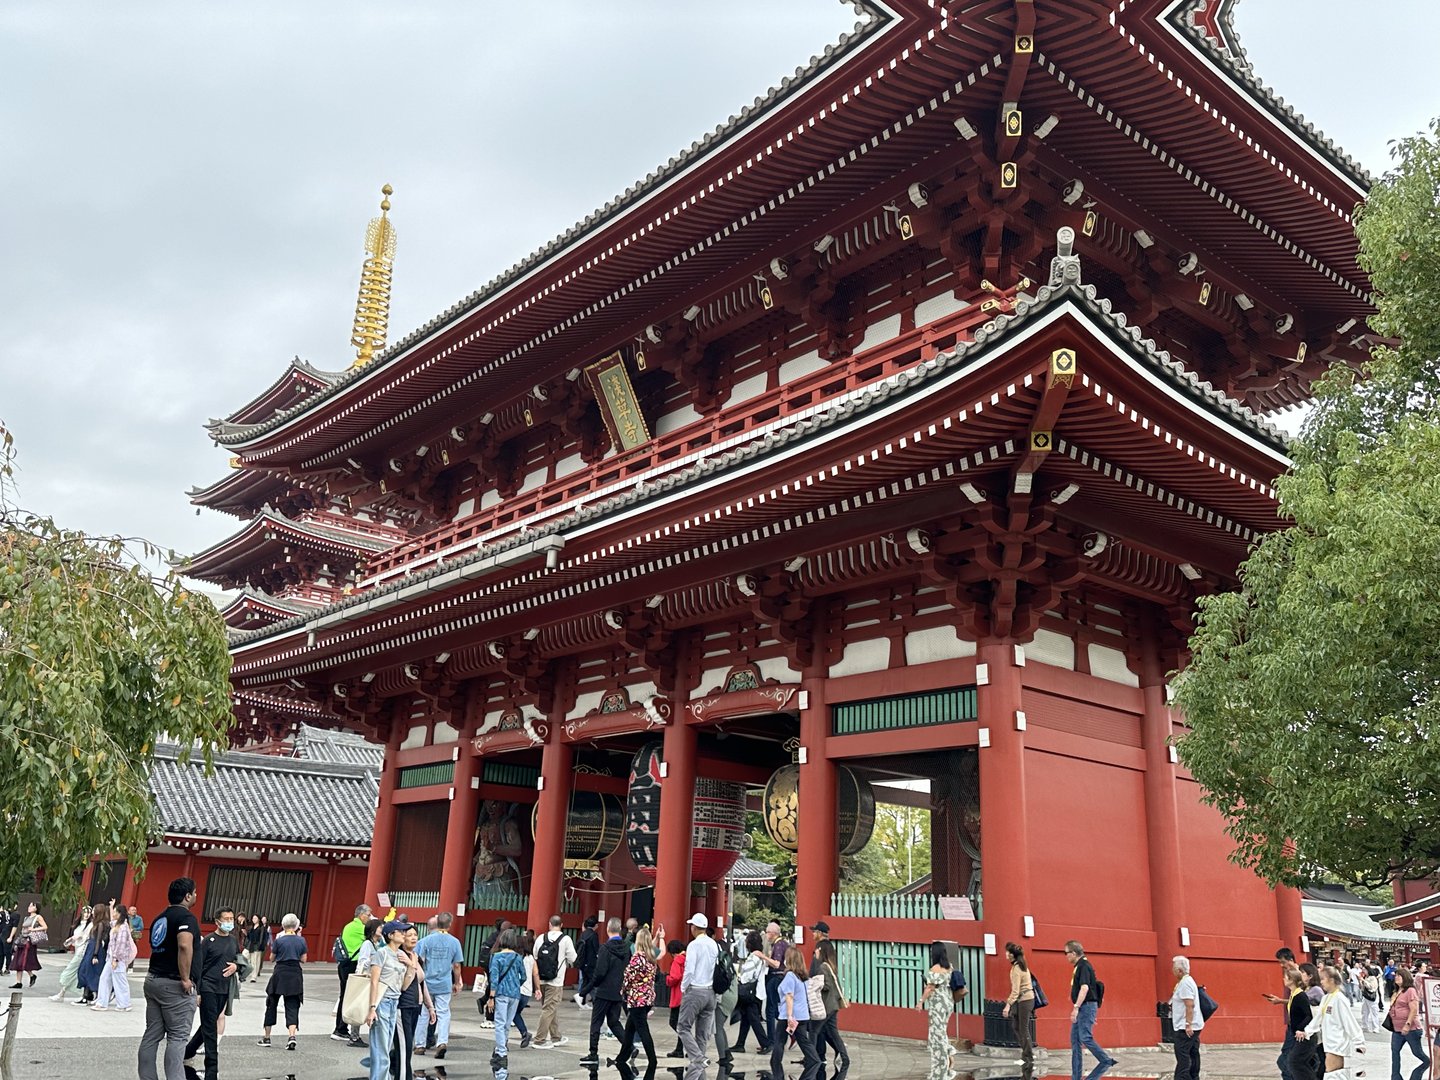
[(1248, 425)]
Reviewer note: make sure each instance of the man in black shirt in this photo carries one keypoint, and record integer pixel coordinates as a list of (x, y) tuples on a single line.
[(170, 986), (6, 922), (587, 951), (217, 964), (1085, 1003)]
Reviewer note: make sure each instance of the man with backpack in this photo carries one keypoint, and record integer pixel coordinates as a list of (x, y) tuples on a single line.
[(727, 994), (606, 986), (345, 952), (554, 953), (1086, 994)]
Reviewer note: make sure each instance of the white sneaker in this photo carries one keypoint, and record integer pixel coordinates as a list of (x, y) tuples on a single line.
[(57, 997), (541, 1044), (561, 1041), (579, 1001)]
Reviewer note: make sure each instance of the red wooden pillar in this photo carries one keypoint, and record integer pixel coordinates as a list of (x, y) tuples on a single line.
[(552, 813), (329, 924), (1004, 839), (1167, 890), (816, 861), (675, 854), (460, 831), (1291, 919), (382, 842)]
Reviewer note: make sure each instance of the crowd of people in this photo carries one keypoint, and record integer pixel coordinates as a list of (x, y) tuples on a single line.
[(758, 981)]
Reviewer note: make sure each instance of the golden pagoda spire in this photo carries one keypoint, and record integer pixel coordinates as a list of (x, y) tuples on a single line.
[(372, 307)]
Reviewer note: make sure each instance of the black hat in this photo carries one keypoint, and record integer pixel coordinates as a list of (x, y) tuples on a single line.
[(821, 927)]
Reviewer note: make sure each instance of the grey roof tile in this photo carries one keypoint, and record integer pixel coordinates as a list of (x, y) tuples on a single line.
[(257, 797)]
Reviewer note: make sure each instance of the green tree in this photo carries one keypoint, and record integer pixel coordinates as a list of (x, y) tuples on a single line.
[(98, 658), (1313, 691)]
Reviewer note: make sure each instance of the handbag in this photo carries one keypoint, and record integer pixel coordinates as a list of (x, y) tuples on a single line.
[(813, 986), (356, 1005), (39, 937), (839, 989), (1208, 1005), (1388, 1024), (1040, 999)]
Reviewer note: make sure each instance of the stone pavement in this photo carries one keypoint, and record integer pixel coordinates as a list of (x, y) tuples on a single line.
[(65, 1042)]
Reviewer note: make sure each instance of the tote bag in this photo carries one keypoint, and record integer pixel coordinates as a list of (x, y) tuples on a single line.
[(356, 1005)]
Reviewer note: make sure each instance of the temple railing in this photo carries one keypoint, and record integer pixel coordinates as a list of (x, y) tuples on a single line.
[(410, 898), (894, 905), (497, 896), (889, 358), (892, 974)]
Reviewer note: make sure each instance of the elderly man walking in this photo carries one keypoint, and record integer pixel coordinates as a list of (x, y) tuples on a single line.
[(441, 956), (697, 997)]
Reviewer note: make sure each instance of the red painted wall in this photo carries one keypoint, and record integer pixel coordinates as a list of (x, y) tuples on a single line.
[(321, 924)]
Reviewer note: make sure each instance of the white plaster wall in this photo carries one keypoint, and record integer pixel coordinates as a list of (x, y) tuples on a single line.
[(879, 333), (936, 643), (490, 498), (937, 307), (467, 507), (746, 389), (777, 668), (803, 364), (567, 465), (414, 737), (676, 419), (1108, 663), (445, 733), (534, 479), (584, 703), (710, 679), (861, 657), (1051, 648)]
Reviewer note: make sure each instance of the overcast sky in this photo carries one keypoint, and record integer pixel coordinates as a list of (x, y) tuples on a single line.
[(185, 185)]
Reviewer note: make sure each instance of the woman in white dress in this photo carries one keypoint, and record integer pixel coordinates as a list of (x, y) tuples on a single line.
[(1335, 1024)]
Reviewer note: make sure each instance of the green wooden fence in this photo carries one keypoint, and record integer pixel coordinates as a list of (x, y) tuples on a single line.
[(892, 974), (441, 772), (905, 711), (891, 906)]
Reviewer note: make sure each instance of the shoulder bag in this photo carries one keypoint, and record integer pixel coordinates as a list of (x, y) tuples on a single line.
[(356, 1005), (839, 989)]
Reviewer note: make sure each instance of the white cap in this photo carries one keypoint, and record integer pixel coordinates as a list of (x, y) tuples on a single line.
[(699, 919)]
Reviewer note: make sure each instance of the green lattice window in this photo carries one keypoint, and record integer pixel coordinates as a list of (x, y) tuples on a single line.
[(502, 772), (952, 706), (441, 772)]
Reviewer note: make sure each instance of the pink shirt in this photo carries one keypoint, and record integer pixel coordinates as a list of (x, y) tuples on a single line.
[(122, 945)]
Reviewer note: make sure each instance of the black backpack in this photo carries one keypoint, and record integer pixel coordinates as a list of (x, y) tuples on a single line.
[(724, 972), (1099, 993), (547, 958)]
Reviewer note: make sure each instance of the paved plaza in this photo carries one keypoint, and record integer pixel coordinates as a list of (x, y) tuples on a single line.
[(59, 1041)]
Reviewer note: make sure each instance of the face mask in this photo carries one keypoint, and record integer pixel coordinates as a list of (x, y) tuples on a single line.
[(227, 926)]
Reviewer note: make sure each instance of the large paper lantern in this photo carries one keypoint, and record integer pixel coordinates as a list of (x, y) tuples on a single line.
[(855, 812), (719, 833), (594, 824)]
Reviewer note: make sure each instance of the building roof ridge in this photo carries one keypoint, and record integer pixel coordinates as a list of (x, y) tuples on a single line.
[(1239, 68), (872, 15), (170, 752), (834, 411)]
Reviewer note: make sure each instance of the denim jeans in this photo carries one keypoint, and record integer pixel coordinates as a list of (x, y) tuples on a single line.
[(442, 1021), (1082, 1038), (1416, 1041), (505, 1010), (1284, 1060), (382, 1037)]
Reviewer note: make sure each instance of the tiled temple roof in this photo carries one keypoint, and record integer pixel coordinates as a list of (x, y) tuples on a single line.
[(265, 799)]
